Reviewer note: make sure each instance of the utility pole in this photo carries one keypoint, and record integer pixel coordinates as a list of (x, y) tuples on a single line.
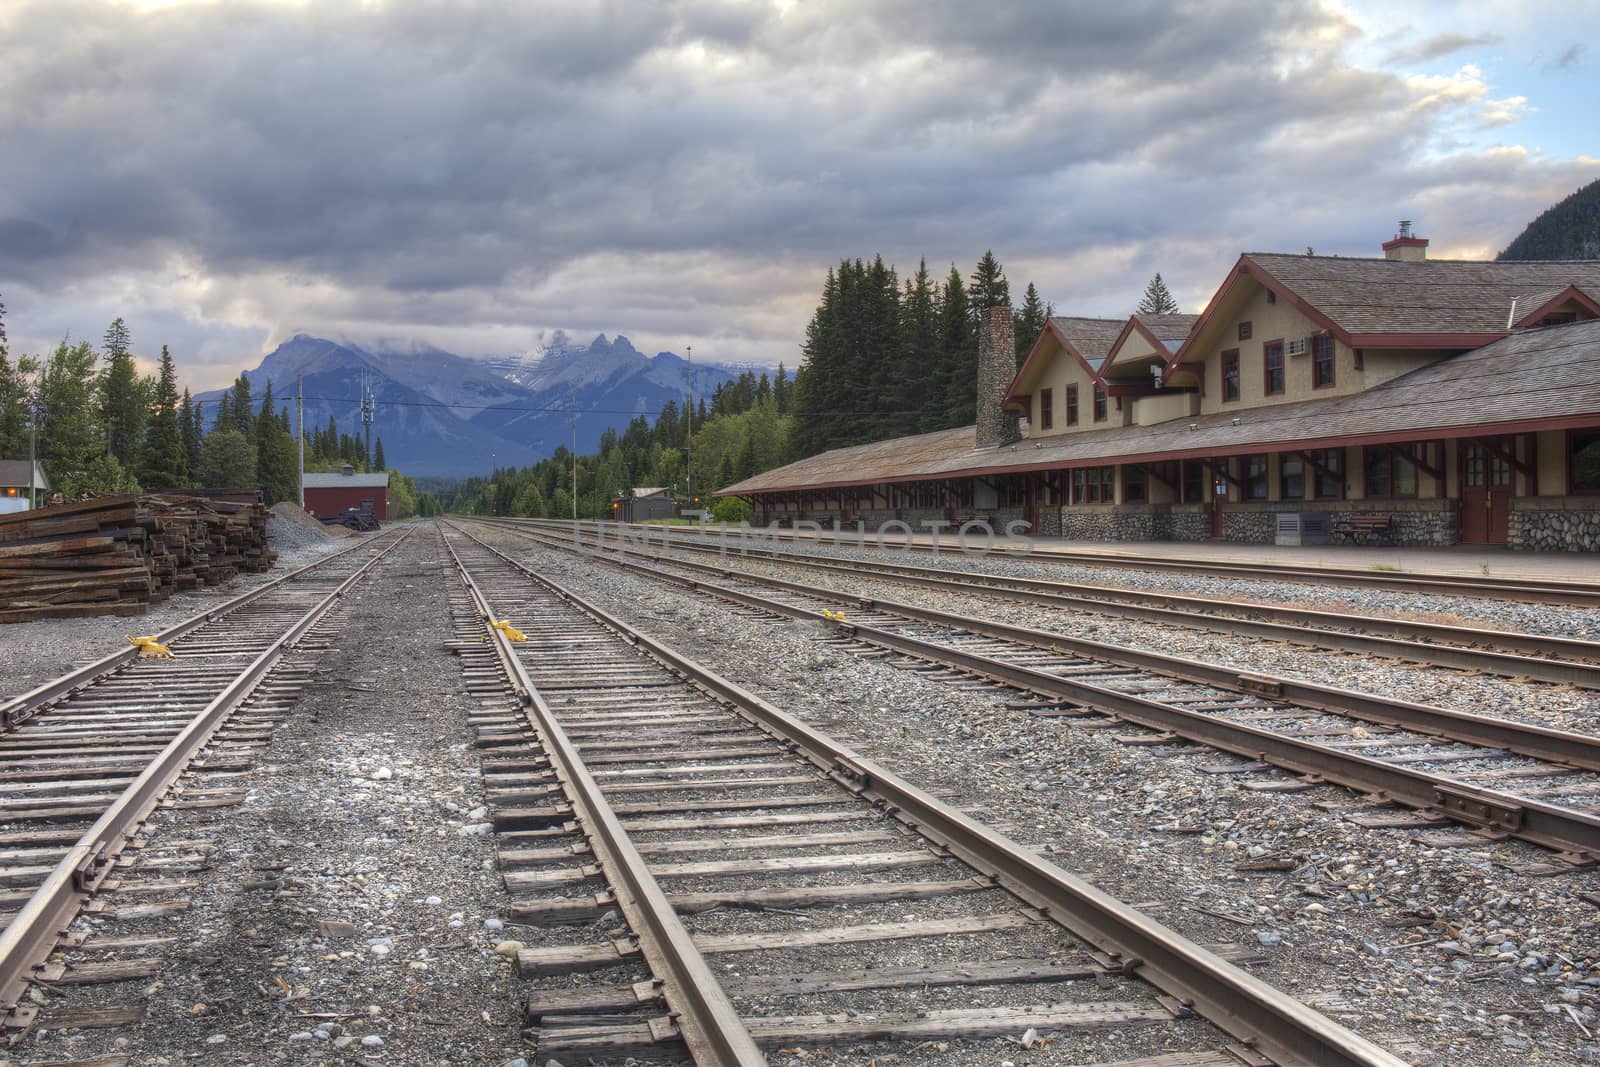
[(300, 412), (688, 436), (366, 414), (34, 408), (574, 452)]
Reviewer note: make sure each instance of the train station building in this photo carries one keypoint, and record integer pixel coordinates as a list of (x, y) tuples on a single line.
[(1396, 400)]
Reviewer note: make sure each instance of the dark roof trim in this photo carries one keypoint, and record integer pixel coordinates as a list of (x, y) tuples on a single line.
[(1012, 396), (1247, 267), (1136, 325), (1422, 340), (1570, 293)]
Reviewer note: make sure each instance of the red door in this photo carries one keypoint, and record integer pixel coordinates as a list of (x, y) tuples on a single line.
[(1485, 516)]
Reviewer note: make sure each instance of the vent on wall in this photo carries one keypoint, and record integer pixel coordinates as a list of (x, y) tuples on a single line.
[(1296, 347)]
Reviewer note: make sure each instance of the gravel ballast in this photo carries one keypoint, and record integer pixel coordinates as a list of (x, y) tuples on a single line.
[(360, 811), (1439, 953)]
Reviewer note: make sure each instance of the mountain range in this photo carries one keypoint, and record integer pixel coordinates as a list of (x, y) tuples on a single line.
[(445, 415)]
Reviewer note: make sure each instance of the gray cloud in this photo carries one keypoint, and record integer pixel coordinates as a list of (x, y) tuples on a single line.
[(1440, 45), (470, 174), (1568, 59)]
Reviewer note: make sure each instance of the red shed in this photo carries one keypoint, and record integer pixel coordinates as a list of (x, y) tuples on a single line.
[(333, 494)]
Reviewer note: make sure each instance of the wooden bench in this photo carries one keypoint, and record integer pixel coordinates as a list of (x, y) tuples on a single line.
[(1363, 529)]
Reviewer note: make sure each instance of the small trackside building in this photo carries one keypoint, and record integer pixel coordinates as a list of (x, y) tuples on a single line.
[(20, 480), (643, 505), (1399, 399), (334, 494)]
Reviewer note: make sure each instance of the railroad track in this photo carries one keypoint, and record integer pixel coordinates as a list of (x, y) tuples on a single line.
[(1503, 779), (1535, 657), (664, 816), (85, 759), (1522, 589)]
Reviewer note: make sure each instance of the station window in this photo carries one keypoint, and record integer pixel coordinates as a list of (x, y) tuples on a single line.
[(1245, 330), (1133, 484), (1099, 402), (1194, 482), (1291, 478), (1047, 410), (1272, 367), (1094, 485), (1230, 374), (1072, 405), (1255, 478), (1329, 483), (1387, 473), (1583, 460), (1321, 362)]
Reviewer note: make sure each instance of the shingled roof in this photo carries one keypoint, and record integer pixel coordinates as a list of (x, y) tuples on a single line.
[(1170, 330), (1092, 338), (1531, 380), (1435, 296)]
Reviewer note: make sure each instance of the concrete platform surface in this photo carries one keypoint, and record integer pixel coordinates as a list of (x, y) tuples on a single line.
[(1488, 560)]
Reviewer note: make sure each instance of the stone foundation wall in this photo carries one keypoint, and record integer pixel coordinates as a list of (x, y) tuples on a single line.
[(1250, 524), (1412, 523), (1555, 524), (1188, 522), (1131, 522)]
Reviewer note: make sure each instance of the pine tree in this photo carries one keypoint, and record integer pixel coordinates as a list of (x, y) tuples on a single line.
[(227, 459), (163, 462), (958, 354), (1031, 319), (1158, 299), (378, 461), (276, 469), (13, 409), (923, 371), (988, 289), (193, 422), (122, 399), (71, 437), (15, 397), (240, 407)]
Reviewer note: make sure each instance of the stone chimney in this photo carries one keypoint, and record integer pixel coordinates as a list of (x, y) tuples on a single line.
[(997, 365), (1404, 245)]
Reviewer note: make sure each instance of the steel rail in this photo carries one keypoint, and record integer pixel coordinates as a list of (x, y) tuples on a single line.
[(1548, 825), (1557, 746), (1458, 647), (28, 941), (1263, 1018), (18, 709), (1531, 590), (704, 1014)]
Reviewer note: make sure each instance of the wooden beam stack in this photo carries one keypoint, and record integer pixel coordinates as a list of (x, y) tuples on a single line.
[(118, 554)]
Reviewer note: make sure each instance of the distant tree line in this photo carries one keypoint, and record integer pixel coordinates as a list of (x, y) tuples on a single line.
[(744, 429), (102, 427), (884, 357)]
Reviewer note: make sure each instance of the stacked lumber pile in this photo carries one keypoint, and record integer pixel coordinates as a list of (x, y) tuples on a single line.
[(118, 554)]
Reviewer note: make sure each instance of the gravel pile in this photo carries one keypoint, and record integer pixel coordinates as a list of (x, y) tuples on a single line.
[(1440, 953)]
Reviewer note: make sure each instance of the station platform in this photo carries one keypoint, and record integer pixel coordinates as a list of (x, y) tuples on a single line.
[(1486, 560)]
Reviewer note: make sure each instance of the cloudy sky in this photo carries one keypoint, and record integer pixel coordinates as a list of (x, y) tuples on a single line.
[(476, 175)]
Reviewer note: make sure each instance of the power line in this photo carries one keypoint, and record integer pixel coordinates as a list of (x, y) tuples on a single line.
[(567, 409)]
